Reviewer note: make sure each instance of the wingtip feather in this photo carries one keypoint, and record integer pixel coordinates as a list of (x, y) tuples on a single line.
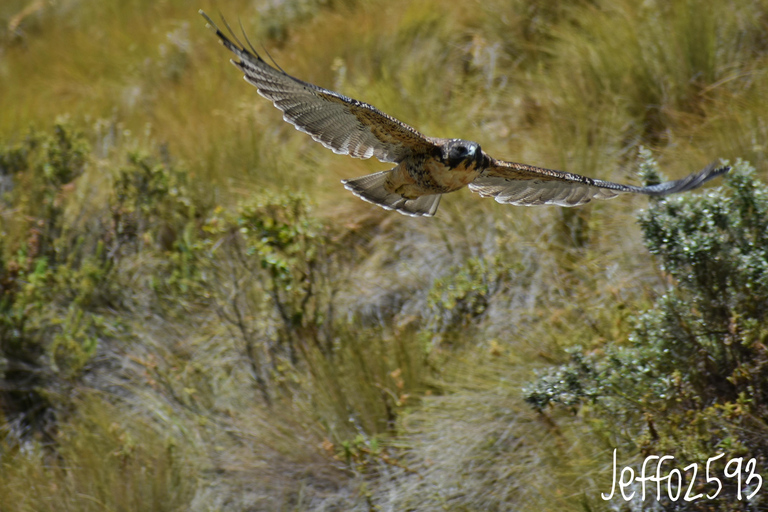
[(690, 182), (209, 23)]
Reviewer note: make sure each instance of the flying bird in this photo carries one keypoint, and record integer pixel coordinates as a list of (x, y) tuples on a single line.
[(426, 167)]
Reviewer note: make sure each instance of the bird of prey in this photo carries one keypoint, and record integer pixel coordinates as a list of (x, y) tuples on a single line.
[(426, 167)]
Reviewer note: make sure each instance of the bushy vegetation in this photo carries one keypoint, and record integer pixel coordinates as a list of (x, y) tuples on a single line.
[(194, 315), (691, 379), (51, 277)]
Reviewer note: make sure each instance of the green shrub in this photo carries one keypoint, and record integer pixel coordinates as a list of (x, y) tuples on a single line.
[(692, 380), (59, 281), (458, 301), (47, 332), (454, 301), (272, 271), (269, 270)]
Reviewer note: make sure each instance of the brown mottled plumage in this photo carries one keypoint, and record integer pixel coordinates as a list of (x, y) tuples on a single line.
[(427, 167)]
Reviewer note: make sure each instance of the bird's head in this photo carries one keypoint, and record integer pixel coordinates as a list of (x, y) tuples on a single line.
[(458, 151)]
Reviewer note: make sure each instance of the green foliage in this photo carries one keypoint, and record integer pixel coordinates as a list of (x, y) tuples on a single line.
[(275, 285), (60, 276), (154, 210), (692, 380), (714, 246), (48, 332), (152, 199), (272, 271), (36, 173), (297, 253)]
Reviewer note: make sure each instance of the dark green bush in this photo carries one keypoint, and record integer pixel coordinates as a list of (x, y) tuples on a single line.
[(59, 258), (47, 334)]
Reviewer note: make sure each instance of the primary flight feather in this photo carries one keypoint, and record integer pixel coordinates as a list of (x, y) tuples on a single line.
[(427, 167)]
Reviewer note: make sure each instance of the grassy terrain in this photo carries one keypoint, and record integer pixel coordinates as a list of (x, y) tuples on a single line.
[(197, 316)]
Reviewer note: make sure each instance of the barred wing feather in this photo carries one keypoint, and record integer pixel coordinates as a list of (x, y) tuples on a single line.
[(526, 185), (341, 124)]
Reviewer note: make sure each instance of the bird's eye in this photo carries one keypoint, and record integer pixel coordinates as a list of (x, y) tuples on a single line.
[(459, 152)]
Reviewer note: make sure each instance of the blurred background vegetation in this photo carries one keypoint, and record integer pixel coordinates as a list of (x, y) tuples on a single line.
[(196, 316)]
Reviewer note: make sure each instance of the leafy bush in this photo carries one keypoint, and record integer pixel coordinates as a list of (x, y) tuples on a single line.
[(47, 331), (58, 280), (693, 378), (272, 270), (268, 270)]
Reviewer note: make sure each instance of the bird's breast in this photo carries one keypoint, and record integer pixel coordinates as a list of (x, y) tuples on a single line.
[(413, 179), (446, 177)]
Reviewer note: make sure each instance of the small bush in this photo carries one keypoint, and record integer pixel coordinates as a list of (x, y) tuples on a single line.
[(272, 270), (48, 333), (59, 284)]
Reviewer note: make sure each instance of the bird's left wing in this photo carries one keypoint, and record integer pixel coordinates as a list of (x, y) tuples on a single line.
[(342, 124), (526, 185)]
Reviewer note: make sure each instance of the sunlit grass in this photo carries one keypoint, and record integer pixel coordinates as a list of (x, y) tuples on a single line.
[(104, 462)]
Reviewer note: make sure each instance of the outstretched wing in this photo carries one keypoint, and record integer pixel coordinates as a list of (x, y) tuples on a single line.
[(344, 125), (525, 185)]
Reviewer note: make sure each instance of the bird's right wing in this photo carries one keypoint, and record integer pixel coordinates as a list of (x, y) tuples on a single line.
[(341, 124), (526, 185)]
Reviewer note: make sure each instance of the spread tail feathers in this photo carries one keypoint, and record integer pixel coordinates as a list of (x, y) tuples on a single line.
[(371, 188)]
